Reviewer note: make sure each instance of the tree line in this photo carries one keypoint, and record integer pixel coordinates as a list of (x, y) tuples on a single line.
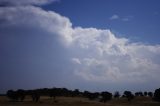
[(20, 94)]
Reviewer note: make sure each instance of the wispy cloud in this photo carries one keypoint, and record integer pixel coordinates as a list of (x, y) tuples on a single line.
[(127, 18), (114, 17), (124, 18), (156, 13)]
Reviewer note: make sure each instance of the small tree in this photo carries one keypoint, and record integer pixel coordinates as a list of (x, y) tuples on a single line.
[(145, 93), (21, 94), (76, 92), (93, 96), (136, 94), (128, 95), (117, 94), (35, 95), (106, 96), (54, 92), (157, 95), (12, 95), (150, 94), (141, 94)]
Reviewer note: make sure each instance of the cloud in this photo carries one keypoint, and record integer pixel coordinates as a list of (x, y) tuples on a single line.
[(127, 18), (34, 16), (97, 55), (107, 58), (114, 17), (156, 13), (25, 2), (117, 17), (76, 60)]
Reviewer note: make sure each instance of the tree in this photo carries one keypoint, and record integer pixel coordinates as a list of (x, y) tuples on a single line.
[(145, 93), (91, 96), (18, 95), (128, 95), (116, 94), (35, 95), (76, 92), (139, 94), (136, 94), (157, 95), (21, 94), (106, 96), (54, 92), (12, 95), (150, 94)]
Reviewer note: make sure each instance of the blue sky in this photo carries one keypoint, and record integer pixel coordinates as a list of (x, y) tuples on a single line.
[(142, 17), (86, 44)]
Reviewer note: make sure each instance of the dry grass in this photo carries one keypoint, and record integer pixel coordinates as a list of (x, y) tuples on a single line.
[(75, 101)]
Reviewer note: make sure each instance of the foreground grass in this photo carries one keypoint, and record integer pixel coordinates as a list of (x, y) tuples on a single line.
[(77, 101)]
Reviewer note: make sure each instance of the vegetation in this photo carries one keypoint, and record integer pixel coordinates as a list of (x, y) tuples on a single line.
[(117, 94), (157, 95), (18, 95), (128, 95), (37, 95), (106, 96)]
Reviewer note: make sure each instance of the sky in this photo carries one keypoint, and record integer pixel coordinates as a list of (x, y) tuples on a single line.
[(96, 45)]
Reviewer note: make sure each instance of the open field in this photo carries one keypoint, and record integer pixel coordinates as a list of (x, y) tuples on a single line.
[(75, 101)]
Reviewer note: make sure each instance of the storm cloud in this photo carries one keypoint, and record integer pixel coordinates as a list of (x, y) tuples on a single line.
[(92, 55)]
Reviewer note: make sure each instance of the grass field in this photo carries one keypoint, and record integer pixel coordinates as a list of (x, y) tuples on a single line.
[(77, 101)]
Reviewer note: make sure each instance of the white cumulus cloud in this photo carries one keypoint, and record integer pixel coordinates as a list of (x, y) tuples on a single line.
[(102, 56)]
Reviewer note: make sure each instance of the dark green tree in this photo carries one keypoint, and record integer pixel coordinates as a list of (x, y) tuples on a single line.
[(157, 95), (128, 95), (21, 94), (150, 94), (106, 96), (117, 94)]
